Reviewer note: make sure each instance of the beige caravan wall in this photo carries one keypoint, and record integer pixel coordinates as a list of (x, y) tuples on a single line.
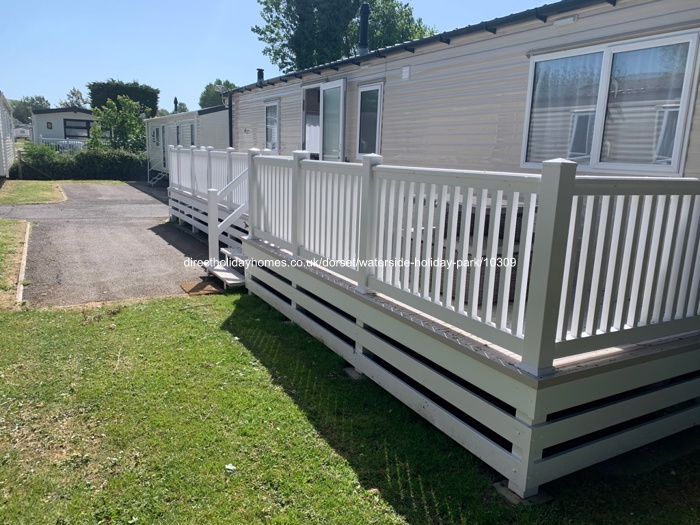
[(462, 105), (471, 96)]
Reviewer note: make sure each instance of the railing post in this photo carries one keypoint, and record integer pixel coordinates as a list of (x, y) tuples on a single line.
[(213, 224), (252, 193), (210, 175), (298, 204), (193, 175), (179, 169), (549, 255), (367, 236), (229, 176)]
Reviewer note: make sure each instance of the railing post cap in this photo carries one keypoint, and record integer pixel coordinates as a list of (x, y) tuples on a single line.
[(552, 162), (209, 148), (254, 151), (230, 149), (300, 154), (372, 159), (179, 146)]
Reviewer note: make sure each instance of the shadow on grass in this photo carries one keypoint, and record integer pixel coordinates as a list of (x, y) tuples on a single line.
[(424, 475), (428, 478)]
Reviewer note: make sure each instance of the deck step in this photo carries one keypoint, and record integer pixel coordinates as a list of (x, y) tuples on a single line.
[(235, 254), (227, 275)]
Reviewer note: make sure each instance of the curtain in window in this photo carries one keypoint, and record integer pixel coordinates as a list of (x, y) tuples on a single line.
[(642, 108), (564, 90)]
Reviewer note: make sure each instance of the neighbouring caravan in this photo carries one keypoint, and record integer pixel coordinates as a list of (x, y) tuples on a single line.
[(205, 127), (62, 127), (609, 84), (7, 141)]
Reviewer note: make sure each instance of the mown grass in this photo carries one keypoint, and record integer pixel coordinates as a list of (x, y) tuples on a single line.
[(30, 191), (39, 191), (132, 415), (11, 246)]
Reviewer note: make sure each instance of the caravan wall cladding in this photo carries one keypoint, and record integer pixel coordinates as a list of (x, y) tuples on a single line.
[(206, 127), (490, 102)]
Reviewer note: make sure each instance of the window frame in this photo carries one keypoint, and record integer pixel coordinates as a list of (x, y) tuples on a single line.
[(276, 104), (377, 86), (87, 124), (688, 94)]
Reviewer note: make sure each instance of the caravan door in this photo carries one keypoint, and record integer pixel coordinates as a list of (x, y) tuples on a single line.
[(333, 120)]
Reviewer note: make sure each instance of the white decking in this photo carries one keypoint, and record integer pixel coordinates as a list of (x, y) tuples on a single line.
[(587, 347)]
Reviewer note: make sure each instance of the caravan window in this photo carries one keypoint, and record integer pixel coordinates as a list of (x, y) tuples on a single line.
[(617, 107), (272, 126), (369, 119)]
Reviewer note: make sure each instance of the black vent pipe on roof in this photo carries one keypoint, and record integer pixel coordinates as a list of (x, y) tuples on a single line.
[(261, 74), (363, 44)]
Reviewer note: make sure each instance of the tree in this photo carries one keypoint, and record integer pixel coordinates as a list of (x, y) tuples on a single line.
[(122, 119), (162, 112), (210, 97), (182, 107), (74, 98), (22, 108), (304, 33), (101, 92)]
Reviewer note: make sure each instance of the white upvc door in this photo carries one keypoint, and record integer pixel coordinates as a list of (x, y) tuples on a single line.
[(333, 120)]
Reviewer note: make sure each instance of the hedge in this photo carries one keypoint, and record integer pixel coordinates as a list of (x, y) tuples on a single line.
[(43, 162)]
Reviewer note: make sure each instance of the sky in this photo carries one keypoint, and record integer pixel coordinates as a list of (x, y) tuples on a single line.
[(48, 47)]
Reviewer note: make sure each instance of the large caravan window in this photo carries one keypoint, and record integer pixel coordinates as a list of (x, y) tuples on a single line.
[(620, 106), (272, 126), (369, 119), (76, 129)]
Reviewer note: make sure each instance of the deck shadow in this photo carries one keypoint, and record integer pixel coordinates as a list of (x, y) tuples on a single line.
[(397, 456), (184, 242), (424, 475)]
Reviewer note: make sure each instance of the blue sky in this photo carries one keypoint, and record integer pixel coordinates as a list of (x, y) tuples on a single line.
[(48, 47)]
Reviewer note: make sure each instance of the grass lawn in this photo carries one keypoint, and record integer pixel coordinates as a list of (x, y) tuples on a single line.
[(214, 410), (39, 191), (11, 246)]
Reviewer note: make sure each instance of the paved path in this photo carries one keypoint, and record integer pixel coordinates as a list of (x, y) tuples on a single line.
[(106, 242)]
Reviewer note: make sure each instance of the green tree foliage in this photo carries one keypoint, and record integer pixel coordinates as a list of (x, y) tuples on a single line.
[(101, 92), (162, 112), (74, 98), (122, 119), (210, 97), (22, 108), (303, 33), (182, 107)]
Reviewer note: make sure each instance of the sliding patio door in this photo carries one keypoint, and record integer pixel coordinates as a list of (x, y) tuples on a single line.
[(333, 120)]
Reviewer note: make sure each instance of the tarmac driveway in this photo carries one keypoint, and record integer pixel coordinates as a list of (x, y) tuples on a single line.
[(104, 243)]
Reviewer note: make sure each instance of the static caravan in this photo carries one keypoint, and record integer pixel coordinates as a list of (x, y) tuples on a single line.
[(62, 127), (609, 84), (205, 127), (7, 141)]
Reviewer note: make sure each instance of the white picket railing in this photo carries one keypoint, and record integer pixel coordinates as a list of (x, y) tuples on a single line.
[(544, 266), (220, 178), (67, 146)]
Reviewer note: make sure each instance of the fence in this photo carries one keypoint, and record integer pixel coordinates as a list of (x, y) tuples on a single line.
[(545, 266), (219, 178), (66, 146)]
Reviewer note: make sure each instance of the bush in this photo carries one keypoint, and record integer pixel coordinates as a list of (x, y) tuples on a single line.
[(43, 162)]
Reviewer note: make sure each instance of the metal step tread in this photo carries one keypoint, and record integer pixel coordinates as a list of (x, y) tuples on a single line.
[(230, 277), (234, 253)]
